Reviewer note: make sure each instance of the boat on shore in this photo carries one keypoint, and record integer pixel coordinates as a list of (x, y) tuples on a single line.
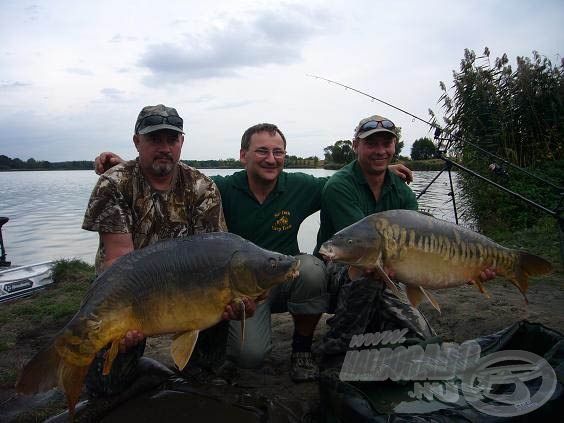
[(21, 281)]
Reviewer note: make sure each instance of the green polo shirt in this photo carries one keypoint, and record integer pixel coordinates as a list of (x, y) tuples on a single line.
[(347, 198), (273, 224)]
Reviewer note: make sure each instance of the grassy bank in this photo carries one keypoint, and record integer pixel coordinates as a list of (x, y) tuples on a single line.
[(24, 323)]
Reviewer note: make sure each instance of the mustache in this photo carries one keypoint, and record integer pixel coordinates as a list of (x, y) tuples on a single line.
[(163, 156)]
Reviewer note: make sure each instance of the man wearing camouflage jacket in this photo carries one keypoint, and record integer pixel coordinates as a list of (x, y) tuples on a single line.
[(140, 202)]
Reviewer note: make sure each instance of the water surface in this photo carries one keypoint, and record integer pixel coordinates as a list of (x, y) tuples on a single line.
[(46, 211)]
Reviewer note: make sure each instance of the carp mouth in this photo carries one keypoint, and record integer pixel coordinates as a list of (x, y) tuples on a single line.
[(334, 253), (327, 252)]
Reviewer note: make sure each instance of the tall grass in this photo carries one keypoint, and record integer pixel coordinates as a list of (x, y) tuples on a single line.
[(517, 115)]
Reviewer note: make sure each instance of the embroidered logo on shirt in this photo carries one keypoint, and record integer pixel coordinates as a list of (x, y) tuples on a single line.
[(282, 222)]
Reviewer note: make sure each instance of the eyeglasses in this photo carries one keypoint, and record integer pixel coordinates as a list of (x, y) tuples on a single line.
[(373, 124), (158, 120), (265, 152)]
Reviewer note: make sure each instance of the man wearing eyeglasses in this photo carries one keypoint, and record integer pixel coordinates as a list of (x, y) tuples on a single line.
[(266, 205), (363, 187), (140, 202)]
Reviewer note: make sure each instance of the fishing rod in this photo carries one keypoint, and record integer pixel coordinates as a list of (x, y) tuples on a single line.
[(438, 128)]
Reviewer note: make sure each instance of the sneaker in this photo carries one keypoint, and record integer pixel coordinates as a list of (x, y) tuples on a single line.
[(304, 368)]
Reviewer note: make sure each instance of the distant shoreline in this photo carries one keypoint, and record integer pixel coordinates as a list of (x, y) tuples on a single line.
[(417, 165)]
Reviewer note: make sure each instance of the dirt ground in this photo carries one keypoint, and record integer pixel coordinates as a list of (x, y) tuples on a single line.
[(465, 314)]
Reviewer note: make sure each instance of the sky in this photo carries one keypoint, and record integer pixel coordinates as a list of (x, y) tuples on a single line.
[(75, 74)]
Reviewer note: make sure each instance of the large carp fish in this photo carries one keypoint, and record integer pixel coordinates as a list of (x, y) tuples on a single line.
[(176, 286), (427, 253)]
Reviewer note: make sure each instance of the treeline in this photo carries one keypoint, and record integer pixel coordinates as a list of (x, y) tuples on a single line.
[(214, 164), (301, 163), (6, 163), (290, 162)]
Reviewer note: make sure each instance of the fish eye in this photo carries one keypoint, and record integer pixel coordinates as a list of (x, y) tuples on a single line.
[(272, 263), (349, 241)]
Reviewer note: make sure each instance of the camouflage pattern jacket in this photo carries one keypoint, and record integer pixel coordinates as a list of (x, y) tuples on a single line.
[(123, 202)]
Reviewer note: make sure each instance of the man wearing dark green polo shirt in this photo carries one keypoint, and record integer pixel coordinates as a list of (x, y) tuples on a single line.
[(349, 197), (267, 206), (361, 188)]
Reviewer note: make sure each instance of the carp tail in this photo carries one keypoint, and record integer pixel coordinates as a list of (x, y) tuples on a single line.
[(48, 370), (40, 373), (528, 265), (534, 265)]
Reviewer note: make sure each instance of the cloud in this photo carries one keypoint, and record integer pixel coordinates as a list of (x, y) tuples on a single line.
[(232, 105), (200, 99), (270, 38), (113, 94), (79, 71), (32, 12), (12, 85), (118, 38)]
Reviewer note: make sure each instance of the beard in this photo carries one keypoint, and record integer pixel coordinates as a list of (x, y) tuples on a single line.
[(163, 169)]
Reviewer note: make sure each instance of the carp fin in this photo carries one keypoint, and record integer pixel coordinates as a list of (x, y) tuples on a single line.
[(182, 347), (534, 265), (71, 379), (354, 273), (431, 299), (389, 283), (414, 295), (528, 264), (242, 313), (110, 356), (41, 373), (47, 370), (480, 286)]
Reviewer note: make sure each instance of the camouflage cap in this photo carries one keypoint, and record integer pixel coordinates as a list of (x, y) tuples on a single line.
[(372, 125), (155, 118)]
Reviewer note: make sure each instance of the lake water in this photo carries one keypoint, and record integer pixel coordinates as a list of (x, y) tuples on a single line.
[(46, 211)]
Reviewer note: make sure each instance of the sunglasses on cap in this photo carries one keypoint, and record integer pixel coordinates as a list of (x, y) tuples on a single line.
[(158, 120), (373, 124)]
